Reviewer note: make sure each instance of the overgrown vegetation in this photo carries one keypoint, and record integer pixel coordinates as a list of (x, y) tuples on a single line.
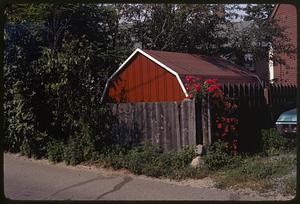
[(257, 172), (57, 59), (276, 161), (273, 143), (148, 159)]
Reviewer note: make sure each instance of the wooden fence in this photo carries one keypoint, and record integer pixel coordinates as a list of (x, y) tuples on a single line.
[(171, 125), (259, 107)]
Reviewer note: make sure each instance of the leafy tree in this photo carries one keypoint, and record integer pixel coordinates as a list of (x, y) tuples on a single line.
[(60, 56), (261, 32), (189, 28)]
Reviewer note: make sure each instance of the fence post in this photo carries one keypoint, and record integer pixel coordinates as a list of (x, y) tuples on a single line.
[(266, 95), (208, 121), (205, 117)]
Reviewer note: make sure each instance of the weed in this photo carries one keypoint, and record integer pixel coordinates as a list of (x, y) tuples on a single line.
[(55, 151), (274, 144)]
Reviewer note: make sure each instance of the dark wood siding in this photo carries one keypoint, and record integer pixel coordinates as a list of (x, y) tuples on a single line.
[(144, 81), (287, 16)]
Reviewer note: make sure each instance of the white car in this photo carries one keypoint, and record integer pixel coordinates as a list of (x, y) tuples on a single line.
[(286, 124)]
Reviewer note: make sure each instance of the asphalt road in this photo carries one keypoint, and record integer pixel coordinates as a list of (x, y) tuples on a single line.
[(25, 179)]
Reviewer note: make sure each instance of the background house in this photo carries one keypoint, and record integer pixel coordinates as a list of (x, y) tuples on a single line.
[(284, 74), (153, 76)]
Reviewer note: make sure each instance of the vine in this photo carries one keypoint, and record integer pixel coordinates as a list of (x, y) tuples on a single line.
[(225, 121)]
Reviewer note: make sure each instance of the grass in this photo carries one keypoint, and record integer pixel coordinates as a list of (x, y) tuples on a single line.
[(257, 173)]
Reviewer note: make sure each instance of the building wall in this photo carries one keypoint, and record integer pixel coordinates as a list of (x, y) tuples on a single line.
[(287, 16), (142, 80)]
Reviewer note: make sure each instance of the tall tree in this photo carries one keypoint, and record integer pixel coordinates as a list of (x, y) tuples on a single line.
[(193, 28), (58, 58)]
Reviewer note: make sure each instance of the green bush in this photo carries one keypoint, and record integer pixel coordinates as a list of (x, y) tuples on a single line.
[(25, 148), (73, 153), (218, 156), (115, 157), (141, 156), (273, 143), (173, 160), (55, 151), (149, 160)]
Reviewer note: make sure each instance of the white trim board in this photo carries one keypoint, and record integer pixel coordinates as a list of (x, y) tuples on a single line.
[(271, 64), (152, 59)]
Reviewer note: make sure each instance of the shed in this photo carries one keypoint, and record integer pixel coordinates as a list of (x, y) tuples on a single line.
[(157, 76)]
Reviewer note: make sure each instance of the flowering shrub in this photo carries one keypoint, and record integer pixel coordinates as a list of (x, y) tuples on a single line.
[(198, 90), (225, 123)]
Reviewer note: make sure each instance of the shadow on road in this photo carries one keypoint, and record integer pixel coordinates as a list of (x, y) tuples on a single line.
[(117, 187), (79, 184)]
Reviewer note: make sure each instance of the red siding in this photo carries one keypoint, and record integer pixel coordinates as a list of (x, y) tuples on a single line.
[(142, 80), (287, 16)]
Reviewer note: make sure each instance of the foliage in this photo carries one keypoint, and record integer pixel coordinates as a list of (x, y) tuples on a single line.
[(192, 28), (273, 143), (260, 33), (141, 157), (148, 159), (219, 156), (114, 156), (224, 109), (54, 74), (57, 58), (55, 151), (21, 127), (73, 153)]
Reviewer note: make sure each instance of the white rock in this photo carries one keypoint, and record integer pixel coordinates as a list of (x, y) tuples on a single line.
[(197, 162), (199, 149)]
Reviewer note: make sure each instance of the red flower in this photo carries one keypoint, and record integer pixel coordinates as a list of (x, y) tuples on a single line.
[(211, 88), (219, 125), (226, 129), (189, 78), (209, 81), (197, 87)]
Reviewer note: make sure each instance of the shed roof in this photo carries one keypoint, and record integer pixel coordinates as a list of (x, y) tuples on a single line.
[(203, 66)]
